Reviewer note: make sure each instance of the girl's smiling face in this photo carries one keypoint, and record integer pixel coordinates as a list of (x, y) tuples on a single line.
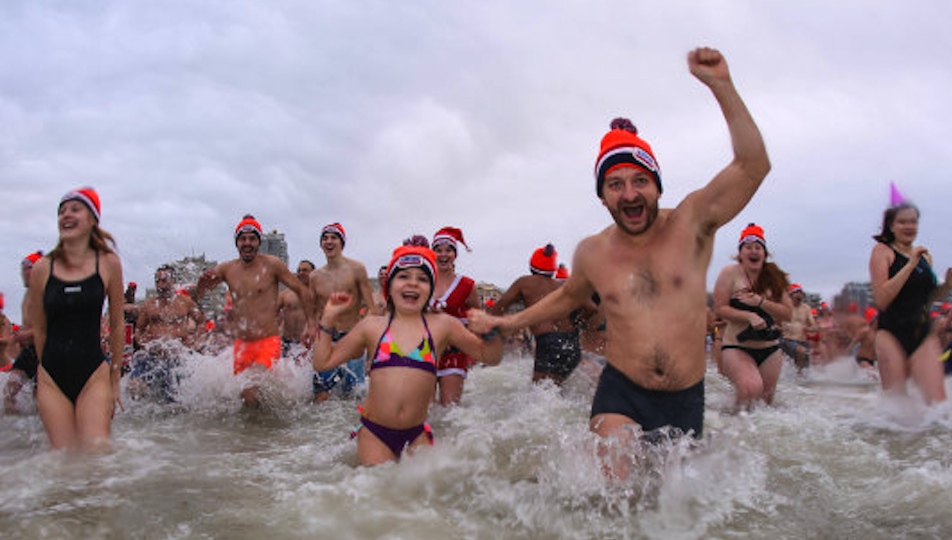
[(74, 220), (410, 289)]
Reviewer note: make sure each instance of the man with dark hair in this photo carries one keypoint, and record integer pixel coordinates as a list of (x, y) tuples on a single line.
[(650, 267)]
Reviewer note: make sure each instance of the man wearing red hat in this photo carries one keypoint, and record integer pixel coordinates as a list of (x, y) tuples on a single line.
[(557, 351), (253, 280), (794, 341), (24, 366), (340, 274), (649, 268)]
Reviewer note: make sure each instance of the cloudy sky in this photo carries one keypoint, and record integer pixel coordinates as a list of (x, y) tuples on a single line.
[(396, 118)]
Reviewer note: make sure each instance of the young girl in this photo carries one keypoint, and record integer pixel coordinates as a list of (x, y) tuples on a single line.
[(904, 287), (76, 389), (752, 297), (407, 342)]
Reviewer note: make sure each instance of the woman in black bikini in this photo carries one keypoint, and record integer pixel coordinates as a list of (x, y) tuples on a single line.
[(904, 287), (77, 390), (751, 295)]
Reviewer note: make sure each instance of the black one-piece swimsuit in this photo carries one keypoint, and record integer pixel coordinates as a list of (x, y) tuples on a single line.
[(73, 312)]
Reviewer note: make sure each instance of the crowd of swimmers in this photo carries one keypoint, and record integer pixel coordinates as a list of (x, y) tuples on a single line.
[(634, 304), (271, 315)]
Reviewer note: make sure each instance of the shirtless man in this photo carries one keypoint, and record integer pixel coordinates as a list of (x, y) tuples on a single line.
[(557, 351), (24, 366), (649, 268), (380, 302), (166, 325), (253, 280), (291, 310), (863, 345), (340, 274), (794, 342)]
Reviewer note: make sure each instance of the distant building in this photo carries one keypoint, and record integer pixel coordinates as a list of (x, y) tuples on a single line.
[(488, 291), (273, 243), (185, 274), (858, 295), (813, 300)]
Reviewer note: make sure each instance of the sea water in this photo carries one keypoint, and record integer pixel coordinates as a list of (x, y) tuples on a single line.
[(831, 459)]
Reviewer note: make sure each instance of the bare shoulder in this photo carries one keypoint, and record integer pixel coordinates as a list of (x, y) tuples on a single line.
[(357, 268), (590, 250), (882, 252), (441, 321), (110, 260), (355, 264), (520, 283), (589, 247), (111, 265), (315, 275), (371, 327), (273, 263), (225, 267), (728, 270)]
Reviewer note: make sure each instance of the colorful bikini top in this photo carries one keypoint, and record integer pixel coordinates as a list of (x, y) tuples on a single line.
[(389, 354)]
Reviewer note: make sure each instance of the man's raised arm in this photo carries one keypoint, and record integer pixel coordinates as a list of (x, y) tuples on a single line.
[(732, 188)]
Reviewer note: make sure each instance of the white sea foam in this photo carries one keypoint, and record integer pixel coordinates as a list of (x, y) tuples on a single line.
[(832, 459)]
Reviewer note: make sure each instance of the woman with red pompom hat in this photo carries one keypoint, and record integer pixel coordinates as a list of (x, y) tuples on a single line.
[(77, 389), (752, 296)]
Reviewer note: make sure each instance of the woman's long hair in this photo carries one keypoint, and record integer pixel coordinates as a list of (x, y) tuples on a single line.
[(771, 278), (886, 236)]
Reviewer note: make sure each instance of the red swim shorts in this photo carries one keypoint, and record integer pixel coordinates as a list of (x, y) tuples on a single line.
[(453, 361), (264, 351)]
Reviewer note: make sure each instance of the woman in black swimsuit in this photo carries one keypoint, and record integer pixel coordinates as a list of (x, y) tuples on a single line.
[(77, 390), (751, 296), (904, 287)]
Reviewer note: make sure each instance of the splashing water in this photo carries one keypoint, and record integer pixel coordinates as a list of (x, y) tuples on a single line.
[(832, 459)]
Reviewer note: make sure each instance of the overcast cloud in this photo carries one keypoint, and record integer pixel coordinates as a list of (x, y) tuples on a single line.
[(396, 118)]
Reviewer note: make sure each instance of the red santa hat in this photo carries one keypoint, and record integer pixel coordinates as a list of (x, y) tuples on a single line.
[(335, 228), (449, 236), (752, 233), (795, 287), (411, 257), (248, 224), (562, 273), (544, 261), (622, 147), (87, 196)]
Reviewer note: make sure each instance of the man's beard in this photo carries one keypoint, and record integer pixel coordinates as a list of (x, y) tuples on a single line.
[(650, 214)]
